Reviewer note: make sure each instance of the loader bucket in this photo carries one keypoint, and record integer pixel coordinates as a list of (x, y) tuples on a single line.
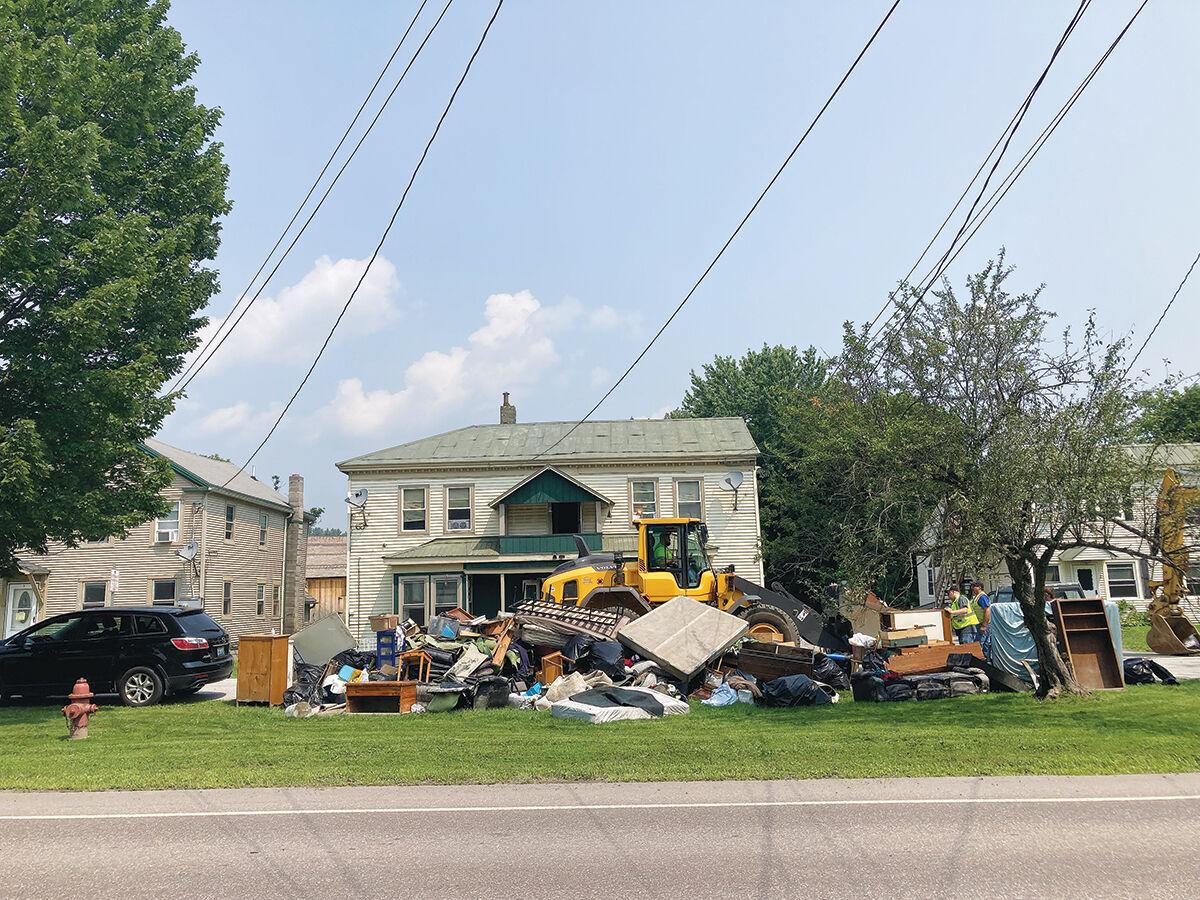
[(1172, 635), (810, 623)]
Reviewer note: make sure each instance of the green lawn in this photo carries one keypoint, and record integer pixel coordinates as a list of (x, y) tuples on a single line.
[(1133, 637), (214, 744)]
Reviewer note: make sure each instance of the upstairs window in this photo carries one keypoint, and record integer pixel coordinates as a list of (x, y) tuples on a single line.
[(458, 509), (226, 598), (230, 515), (689, 502), (166, 528), (163, 592), (260, 606), (262, 530), (643, 499), (414, 509)]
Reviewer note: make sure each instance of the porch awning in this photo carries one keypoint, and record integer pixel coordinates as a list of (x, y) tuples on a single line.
[(549, 485), (1086, 554)]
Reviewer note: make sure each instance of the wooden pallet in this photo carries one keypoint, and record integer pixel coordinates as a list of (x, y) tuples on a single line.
[(597, 623)]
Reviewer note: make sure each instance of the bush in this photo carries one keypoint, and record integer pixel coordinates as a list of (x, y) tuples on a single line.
[(1130, 615)]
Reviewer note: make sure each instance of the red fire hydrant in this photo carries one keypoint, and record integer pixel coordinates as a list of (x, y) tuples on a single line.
[(78, 710)]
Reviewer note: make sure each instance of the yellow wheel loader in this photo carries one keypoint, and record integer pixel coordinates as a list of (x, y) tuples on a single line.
[(672, 562)]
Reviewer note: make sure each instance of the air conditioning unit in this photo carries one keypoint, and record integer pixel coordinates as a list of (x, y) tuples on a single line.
[(459, 525), (166, 537)]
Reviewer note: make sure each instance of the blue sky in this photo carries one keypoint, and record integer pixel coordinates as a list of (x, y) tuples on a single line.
[(598, 156)]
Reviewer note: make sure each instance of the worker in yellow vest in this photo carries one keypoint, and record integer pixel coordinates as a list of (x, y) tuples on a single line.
[(963, 618)]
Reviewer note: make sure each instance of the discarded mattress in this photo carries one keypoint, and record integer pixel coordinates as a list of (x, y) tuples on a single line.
[(618, 705), (683, 635)]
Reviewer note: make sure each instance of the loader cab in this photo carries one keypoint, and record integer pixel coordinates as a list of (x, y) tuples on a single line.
[(672, 559)]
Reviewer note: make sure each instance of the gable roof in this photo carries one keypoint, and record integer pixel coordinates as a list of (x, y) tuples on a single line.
[(325, 556), (214, 473), (549, 485), (619, 439)]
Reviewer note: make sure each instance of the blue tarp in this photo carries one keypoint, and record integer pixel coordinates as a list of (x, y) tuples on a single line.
[(1011, 641)]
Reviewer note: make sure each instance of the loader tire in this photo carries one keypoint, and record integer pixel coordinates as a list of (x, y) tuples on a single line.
[(769, 623)]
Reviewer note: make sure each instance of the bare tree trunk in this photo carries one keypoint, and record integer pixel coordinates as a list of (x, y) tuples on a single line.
[(1056, 675)]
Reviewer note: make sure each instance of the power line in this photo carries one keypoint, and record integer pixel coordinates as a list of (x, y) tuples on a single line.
[(877, 339), (312, 187), (1003, 188), (1163, 315), (211, 350), (378, 247), (736, 231)]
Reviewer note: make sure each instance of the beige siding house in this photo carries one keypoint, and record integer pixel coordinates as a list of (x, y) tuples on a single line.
[(238, 572), (1119, 574), (478, 516)]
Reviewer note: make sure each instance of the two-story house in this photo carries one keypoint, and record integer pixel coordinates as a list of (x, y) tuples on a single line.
[(477, 517), (238, 571)]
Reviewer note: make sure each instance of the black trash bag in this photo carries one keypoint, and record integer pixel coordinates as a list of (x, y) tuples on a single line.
[(867, 686), (1139, 670), (354, 659), (491, 692), (963, 661), (897, 687), (306, 688), (873, 659), (828, 672), (587, 654), (794, 690), (968, 680)]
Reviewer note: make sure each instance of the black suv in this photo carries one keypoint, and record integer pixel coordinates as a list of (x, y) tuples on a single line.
[(141, 653)]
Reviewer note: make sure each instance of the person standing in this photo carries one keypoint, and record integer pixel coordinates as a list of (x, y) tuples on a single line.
[(980, 605), (962, 619)]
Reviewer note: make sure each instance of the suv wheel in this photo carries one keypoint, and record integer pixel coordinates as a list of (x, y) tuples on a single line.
[(140, 687)]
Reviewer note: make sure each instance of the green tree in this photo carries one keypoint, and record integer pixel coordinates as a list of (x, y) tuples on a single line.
[(1170, 415), (1019, 445), (110, 192)]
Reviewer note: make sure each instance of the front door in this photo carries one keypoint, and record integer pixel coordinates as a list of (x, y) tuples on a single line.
[(1086, 576), (21, 609)]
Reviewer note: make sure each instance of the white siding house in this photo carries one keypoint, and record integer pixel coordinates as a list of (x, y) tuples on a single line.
[(478, 516), (238, 523), (1108, 573)]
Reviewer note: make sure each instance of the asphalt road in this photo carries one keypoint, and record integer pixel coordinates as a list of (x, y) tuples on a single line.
[(1011, 837)]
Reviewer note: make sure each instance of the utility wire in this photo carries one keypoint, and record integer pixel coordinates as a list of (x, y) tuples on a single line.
[(378, 247), (736, 231), (1163, 315), (208, 353), (1003, 188), (878, 338)]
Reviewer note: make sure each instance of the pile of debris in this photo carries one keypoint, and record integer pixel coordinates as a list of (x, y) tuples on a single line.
[(597, 665)]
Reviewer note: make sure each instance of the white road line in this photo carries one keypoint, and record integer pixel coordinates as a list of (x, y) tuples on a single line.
[(731, 804)]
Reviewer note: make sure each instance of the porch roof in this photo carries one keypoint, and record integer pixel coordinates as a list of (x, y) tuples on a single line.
[(499, 547)]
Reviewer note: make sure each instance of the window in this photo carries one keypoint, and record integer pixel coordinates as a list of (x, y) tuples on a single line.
[(643, 499), (412, 600), (149, 625), (227, 598), (689, 503), (414, 509), (445, 594), (56, 630), (262, 529), (1122, 582), (565, 518), (106, 626), (531, 589), (166, 528), (162, 592), (230, 515), (261, 605), (275, 600), (458, 509), (95, 594), (571, 592), (1193, 578), (1052, 576)]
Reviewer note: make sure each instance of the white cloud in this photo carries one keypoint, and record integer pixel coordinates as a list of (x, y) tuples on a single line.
[(600, 376), (513, 349), (297, 318), (239, 419)]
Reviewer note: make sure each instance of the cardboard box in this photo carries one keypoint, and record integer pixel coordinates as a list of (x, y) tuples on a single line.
[(385, 623)]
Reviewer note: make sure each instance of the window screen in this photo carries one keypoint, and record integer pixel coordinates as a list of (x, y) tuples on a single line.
[(414, 513), (94, 593), (1121, 581), (644, 498), (164, 592), (687, 500), (458, 509)]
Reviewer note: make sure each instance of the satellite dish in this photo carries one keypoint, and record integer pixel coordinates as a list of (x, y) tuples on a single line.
[(357, 499), (188, 551), (733, 480)]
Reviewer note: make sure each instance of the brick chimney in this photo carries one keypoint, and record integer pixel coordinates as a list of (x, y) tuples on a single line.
[(508, 412), (296, 560)]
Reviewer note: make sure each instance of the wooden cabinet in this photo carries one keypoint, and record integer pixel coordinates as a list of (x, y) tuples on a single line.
[(263, 661), (1084, 633)]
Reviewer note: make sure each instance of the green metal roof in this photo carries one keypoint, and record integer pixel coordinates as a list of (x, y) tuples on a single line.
[(549, 486), (624, 438), (497, 547)]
